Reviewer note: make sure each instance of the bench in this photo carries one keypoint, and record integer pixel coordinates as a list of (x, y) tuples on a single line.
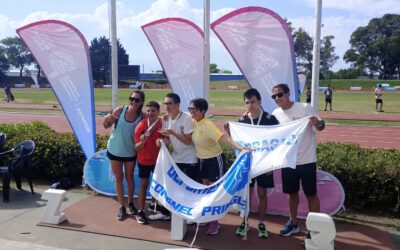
[(322, 89), (355, 88), (233, 87), (19, 85), (390, 89)]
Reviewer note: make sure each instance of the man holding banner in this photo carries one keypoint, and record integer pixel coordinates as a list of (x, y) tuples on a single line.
[(306, 167), (256, 116)]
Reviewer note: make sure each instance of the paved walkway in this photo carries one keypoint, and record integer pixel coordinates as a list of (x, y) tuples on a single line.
[(19, 229)]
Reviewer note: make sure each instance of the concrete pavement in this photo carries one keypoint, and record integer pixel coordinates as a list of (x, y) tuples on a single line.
[(19, 230)]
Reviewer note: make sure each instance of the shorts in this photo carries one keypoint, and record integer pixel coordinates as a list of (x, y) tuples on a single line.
[(307, 173), (212, 168), (118, 158), (145, 170), (191, 170), (378, 100), (328, 100), (263, 181)]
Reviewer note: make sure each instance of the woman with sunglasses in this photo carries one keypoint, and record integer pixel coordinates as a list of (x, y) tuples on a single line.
[(206, 137), (121, 148)]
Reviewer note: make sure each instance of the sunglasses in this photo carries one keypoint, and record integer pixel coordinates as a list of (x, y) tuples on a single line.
[(191, 109), (280, 94), (135, 99), (168, 103)]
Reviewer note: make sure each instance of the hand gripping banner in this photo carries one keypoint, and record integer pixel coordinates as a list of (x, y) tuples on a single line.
[(179, 46), (63, 54), (194, 201), (261, 44), (272, 147)]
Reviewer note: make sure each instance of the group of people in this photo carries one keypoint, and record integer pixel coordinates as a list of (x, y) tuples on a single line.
[(328, 92), (195, 139)]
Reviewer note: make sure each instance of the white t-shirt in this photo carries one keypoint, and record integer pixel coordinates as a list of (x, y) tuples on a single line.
[(378, 93), (307, 150), (182, 124)]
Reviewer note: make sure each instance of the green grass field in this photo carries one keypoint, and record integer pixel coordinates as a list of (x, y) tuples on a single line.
[(343, 101)]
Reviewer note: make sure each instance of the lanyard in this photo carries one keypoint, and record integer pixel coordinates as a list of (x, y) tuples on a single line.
[(259, 118), (149, 130), (171, 122)]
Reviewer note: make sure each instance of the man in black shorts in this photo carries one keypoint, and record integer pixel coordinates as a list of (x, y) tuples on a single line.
[(306, 166), (256, 116), (328, 97)]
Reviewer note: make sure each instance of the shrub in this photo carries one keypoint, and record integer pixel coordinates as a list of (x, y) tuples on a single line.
[(370, 177), (56, 155)]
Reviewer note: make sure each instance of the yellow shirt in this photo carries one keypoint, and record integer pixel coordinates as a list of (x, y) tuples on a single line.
[(205, 138)]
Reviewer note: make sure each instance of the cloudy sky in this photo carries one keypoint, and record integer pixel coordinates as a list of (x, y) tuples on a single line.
[(340, 18)]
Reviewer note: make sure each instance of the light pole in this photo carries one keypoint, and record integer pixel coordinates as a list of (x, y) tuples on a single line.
[(114, 54), (206, 75), (316, 54)]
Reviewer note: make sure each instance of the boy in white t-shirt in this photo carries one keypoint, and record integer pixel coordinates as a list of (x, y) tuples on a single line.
[(177, 131), (306, 166)]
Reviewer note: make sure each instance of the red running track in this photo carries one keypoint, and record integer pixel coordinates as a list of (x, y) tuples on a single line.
[(366, 136)]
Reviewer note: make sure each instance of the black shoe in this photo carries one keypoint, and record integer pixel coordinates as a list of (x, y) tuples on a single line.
[(132, 208), (121, 213), (141, 217), (308, 237), (153, 207)]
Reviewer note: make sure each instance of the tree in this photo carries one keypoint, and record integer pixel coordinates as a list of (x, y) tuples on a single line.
[(17, 54), (375, 48), (327, 55), (303, 46), (214, 68), (351, 73), (100, 55), (3, 63)]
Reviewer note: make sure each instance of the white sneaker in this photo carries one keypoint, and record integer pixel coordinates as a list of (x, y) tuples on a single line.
[(159, 216)]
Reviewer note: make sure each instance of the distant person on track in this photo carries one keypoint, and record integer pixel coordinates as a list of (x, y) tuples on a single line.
[(378, 98), (328, 97), (308, 95), (9, 96)]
